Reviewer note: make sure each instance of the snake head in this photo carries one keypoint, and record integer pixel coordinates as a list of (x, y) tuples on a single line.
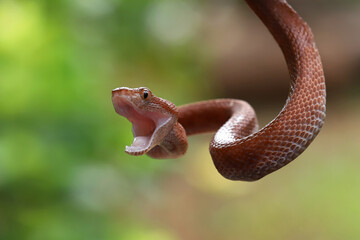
[(152, 117)]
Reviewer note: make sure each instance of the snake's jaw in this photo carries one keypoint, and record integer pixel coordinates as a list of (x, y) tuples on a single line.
[(149, 128), (142, 144)]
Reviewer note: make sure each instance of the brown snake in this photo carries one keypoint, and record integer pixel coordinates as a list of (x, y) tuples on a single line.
[(238, 149)]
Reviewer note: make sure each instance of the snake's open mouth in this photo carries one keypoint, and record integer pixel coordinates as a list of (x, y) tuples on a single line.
[(145, 125)]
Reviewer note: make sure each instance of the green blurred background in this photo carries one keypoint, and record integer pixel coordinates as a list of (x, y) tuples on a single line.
[(63, 170)]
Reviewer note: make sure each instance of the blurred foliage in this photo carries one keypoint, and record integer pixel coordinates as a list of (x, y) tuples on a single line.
[(59, 136), (63, 173)]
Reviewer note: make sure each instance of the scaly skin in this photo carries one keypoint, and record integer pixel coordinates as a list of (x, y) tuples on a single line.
[(238, 150)]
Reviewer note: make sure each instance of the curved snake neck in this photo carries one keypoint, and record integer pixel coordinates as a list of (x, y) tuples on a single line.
[(238, 150)]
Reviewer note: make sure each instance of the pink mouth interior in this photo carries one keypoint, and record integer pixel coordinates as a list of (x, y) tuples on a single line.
[(144, 125)]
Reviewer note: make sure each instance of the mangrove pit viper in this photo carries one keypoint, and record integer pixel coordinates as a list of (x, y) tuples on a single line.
[(239, 150)]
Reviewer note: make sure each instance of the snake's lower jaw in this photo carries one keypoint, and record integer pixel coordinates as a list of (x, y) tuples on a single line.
[(140, 146), (134, 152), (144, 143)]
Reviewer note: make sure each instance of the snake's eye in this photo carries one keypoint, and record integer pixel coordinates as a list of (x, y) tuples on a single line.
[(145, 93)]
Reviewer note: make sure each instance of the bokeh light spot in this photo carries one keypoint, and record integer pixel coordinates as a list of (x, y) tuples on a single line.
[(173, 22)]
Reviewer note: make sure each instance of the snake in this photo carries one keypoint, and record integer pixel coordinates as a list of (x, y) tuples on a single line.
[(239, 150)]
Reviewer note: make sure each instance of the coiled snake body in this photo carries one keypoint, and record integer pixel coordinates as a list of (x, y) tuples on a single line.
[(238, 149)]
